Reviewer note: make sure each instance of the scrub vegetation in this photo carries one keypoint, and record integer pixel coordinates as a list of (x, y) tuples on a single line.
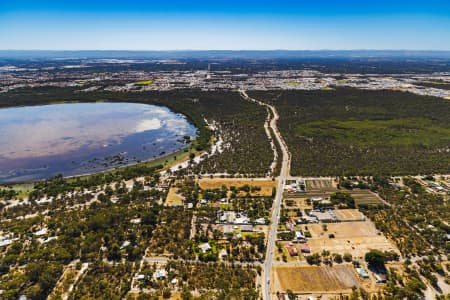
[(358, 132)]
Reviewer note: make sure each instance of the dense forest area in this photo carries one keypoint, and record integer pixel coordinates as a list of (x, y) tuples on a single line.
[(359, 132), (240, 123)]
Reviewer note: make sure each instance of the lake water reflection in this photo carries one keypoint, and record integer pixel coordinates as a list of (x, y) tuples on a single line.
[(38, 142)]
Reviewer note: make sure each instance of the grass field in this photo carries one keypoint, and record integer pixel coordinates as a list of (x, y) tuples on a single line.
[(22, 188), (144, 82), (327, 88), (404, 131), (365, 197), (436, 84), (216, 183), (339, 278)]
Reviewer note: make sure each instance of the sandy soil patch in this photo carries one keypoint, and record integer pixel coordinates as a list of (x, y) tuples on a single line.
[(339, 278), (297, 203), (216, 183), (173, 198), (315, 184), (349, 215), (356, 238)]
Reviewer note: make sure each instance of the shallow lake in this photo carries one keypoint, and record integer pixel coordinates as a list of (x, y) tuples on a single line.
[(39, 142)]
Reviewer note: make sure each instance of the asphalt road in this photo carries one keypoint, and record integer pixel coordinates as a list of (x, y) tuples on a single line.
[(278, 198)]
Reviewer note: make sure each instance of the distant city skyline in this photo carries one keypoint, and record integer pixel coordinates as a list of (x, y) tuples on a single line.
[(224, 25)]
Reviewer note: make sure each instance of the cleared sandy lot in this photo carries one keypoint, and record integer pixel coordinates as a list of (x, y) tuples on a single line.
[(349, 215), (339, 278), (355, 238), (173, 198), (216, 183), (296, 202), (319, 184)]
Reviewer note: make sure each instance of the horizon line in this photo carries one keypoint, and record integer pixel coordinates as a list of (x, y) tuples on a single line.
[(233, 50)]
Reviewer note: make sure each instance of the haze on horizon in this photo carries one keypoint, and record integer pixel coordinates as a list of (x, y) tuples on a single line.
[(225, 25)]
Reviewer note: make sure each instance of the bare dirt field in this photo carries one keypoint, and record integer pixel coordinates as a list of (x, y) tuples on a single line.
[(349, 215), (355, 238), (339, 278), (365, 197), (173, 198), (315, 184), (216, 183), (296, 202)]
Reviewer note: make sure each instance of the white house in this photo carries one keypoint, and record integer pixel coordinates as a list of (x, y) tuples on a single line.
[(205, 247), (43, 231), (299, 235), (260, 221), (140, 277), (160, 274), (223, 253)]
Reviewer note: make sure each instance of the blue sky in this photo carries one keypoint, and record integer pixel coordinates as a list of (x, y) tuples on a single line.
[(234, 25)]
